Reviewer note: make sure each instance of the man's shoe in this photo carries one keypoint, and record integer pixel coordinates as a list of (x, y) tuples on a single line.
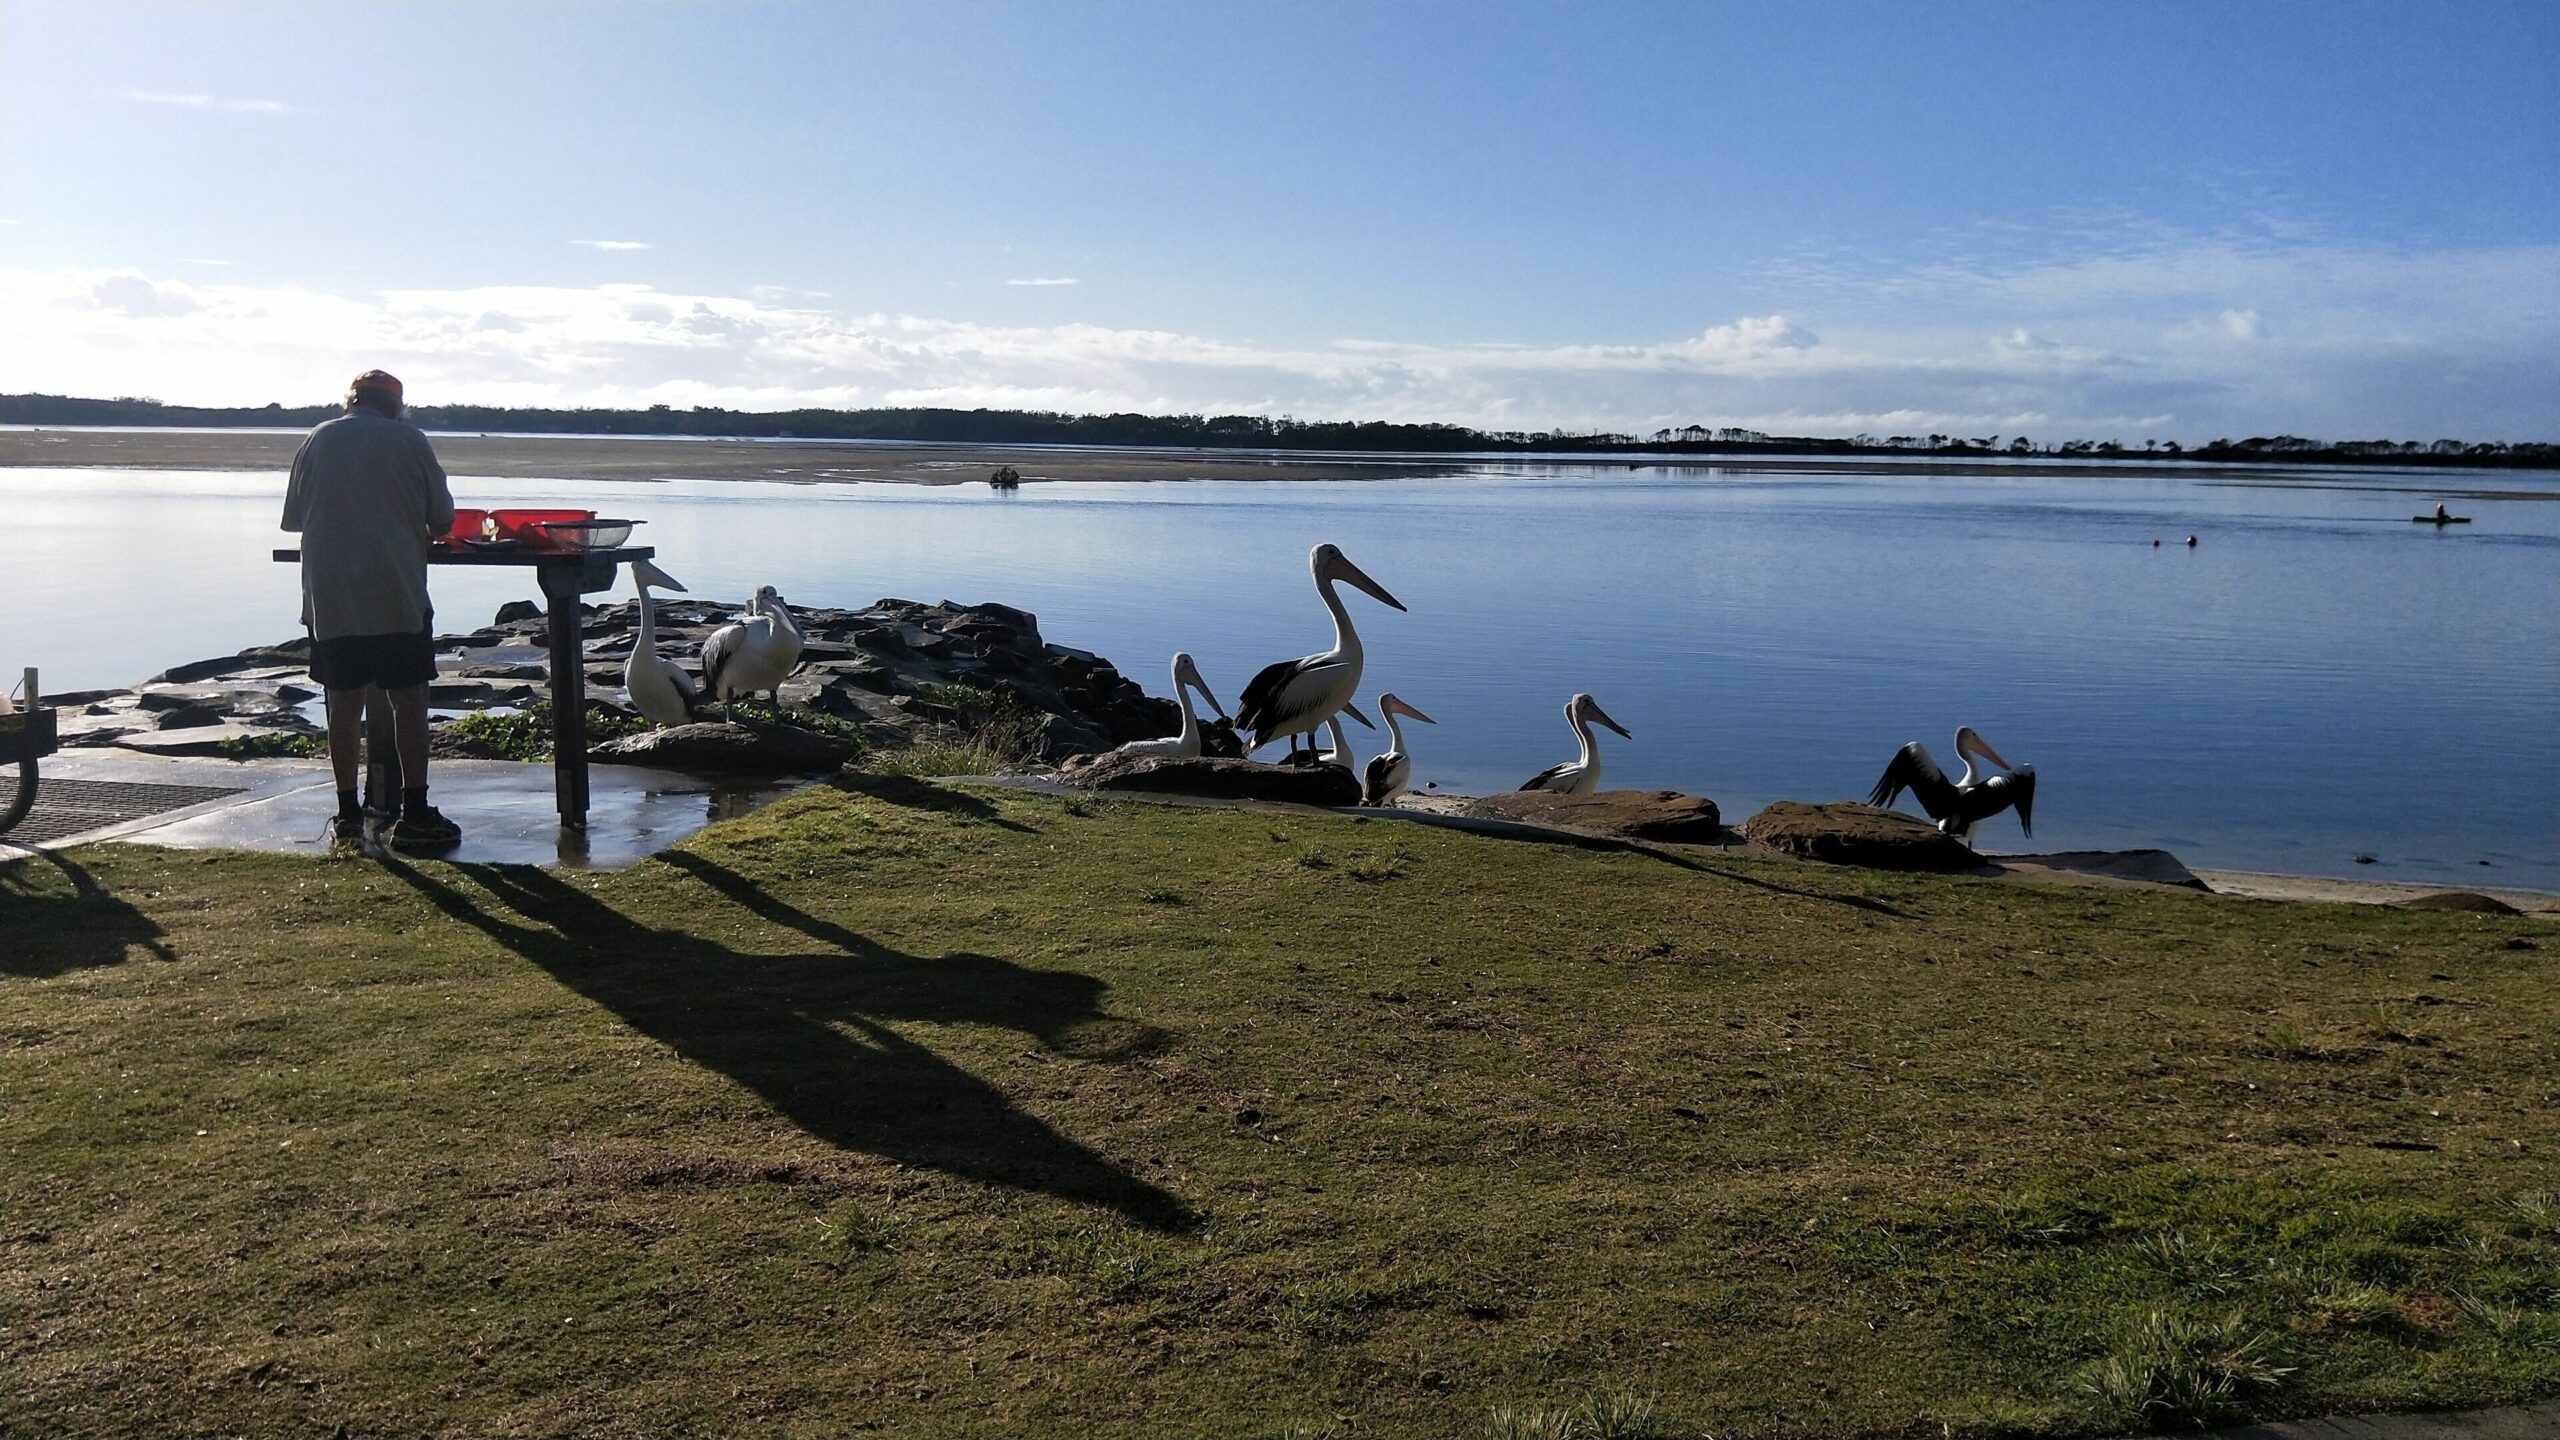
[(346, 834), (424, 829)]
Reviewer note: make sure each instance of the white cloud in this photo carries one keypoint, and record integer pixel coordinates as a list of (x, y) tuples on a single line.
[(219, 264), (1058, 280), (615, 244), (2240, 324), (2450, 344), (191, 101)]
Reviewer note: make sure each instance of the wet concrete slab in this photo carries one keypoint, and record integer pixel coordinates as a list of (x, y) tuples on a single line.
[(505, 809)]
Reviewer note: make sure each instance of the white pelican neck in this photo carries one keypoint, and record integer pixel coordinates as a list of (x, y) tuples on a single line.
[(1346, 641), (1190, 736), (1395, 732)]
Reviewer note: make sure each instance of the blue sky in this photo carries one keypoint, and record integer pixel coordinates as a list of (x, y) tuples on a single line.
[(2064, 220)]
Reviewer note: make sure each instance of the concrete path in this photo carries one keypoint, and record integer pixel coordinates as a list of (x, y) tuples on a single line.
[(505, 809), (2514, 1422)]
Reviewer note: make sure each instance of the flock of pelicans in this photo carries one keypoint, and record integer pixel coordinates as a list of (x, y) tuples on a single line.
[(1290, 700)]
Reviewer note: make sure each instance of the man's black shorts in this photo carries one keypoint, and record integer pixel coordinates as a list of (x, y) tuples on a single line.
[(394, 662)]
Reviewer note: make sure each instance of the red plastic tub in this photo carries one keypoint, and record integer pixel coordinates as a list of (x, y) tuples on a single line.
[(525, 526)]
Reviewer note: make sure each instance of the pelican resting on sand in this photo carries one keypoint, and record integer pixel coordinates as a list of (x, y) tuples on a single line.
[(756, 653), (1294, 697), (1578, 776), (1186, 745), (1389, 770), (658, 687), (1960, 804)]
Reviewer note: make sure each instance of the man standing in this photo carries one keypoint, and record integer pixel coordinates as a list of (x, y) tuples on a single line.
[(368, 497)]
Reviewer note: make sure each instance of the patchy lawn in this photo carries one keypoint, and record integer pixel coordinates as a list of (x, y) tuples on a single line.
[(970, 1112)]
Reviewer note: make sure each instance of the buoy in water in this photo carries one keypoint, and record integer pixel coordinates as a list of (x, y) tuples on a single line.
[(2191, 542)]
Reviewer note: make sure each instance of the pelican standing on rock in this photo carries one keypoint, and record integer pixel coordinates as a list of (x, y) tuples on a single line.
[(1294, 697), (1960, 804), (1186, 745), (756, 653), (1580, 776), (658, 687), (1388, 771)]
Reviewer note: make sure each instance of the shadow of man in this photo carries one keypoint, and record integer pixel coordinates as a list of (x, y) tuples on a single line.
[(778, 1025), (54, 923)]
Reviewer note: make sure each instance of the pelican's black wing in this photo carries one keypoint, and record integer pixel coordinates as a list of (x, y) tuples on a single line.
[(1373, 781), (1911, 769), (1262, 692), (1543, 778), (2002, 792), (716, 653)]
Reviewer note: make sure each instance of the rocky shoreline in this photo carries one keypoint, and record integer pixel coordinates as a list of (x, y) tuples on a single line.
[(894, 675)]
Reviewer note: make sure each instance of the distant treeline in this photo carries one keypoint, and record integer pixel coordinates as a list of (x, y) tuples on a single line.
[(1260, 432)]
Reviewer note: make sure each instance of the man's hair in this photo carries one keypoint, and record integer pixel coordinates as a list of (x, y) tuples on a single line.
[(377, 391)]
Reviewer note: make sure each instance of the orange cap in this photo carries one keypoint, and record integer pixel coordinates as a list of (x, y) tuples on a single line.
[(382, 380)]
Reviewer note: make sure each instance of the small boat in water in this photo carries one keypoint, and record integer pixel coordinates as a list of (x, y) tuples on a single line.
[(2440, 517)]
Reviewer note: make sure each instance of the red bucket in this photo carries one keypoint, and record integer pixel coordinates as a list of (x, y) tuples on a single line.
[(525, 526)]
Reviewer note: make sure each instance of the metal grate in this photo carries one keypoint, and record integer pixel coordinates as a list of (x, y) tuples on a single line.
[(73, 807)]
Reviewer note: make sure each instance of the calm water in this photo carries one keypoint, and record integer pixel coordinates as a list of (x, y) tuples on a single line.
[(2318, 679)]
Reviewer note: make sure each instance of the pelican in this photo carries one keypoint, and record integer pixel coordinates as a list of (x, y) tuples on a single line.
[(1388, 770), (1968, 800), (1186, 678), (1293, 697), (1581, 776), (753, 654), (658, 687)]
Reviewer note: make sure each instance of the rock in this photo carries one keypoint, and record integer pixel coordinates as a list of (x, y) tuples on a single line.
[(193, 740), (240, 700), (2154, 867), (738, 749), (296, 651), (516, 612), (1846, 834), (2469, 900), (185, 717), (1328, 785), (481, 671), (195, 670), (1663, 815)]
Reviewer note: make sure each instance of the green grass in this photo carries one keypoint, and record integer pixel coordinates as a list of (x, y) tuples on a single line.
[(273, 743), (911, 1109)]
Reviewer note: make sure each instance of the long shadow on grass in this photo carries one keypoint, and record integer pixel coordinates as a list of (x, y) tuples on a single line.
[(924, 795), (46, 930), (770, 1022)]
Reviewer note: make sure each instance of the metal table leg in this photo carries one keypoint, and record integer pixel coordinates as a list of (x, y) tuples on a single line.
[(562, 581), (381, 754)]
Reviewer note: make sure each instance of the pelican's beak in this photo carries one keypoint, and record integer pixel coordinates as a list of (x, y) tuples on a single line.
[(656, 579), (1343, 569), (1203, 687), (1982, 748), (1354, 711), (1408, 712), (1602, 716)]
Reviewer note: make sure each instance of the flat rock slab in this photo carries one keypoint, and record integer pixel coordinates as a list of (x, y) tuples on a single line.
[(194, 739), (1220, 779), (1662, 815), (1846, 834), (2152, 867), (2471, 900), (729, 749)]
